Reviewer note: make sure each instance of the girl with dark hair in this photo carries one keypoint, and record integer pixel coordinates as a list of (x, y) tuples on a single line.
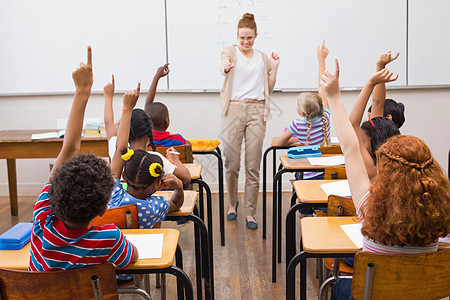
[(407, 206), (141, 135)]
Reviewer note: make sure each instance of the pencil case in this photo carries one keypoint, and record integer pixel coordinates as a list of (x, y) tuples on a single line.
[(303, 151), (16, 237)]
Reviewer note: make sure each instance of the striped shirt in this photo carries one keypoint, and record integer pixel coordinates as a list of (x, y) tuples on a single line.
[(375, 247), (55, 247), (298, 128), (165, 139)]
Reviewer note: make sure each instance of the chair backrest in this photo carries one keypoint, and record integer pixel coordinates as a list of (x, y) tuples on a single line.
[(333, 172), (186, 155), (348, 207), (67, 284), (406, 276), (333, 149), (124, 217)]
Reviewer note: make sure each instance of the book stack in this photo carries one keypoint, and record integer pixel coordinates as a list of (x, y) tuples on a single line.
[(97, 128)]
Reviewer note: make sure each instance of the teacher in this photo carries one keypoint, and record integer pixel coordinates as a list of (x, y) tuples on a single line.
[(245, 100)]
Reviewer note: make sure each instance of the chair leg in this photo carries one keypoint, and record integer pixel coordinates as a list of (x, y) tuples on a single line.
[(158, 280), (147, 283), (163, 286), (319, 270), (323, 291)]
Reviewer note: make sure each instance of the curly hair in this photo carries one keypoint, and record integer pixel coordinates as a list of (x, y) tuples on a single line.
[(379, 129), (80, 188), (410, 199), (136, 169)]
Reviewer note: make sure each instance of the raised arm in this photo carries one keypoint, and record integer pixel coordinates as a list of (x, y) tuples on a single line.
[(379, 92), (356, 172), (275, 60), (83, 78), (108, 90), (356, 115), (129, 102), (322, 53), (161, 72)]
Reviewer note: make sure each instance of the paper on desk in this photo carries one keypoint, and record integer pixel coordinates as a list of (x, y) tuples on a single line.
[(445, 240), (354, 233), (48, 135), (334, 140), (148, 245), (327, 160), (338, 188)]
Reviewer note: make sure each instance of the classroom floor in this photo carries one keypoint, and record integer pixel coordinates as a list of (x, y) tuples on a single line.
[(242, 267)]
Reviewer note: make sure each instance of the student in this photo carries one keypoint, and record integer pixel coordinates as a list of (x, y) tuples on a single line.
[(373, 133), (382, 106), (78, 190), (144, 175), (313, 128), (159, 114), (407, 208), (141, 135)]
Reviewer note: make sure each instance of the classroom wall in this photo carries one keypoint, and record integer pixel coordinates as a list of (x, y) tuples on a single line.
[(198, 116)]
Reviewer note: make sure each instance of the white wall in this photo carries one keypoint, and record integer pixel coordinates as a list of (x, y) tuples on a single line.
[(198, 116)]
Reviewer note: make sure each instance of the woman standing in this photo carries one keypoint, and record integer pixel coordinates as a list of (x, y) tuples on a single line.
[(245, 99)]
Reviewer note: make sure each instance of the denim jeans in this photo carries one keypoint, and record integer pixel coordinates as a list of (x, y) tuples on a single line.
[(342, 290)]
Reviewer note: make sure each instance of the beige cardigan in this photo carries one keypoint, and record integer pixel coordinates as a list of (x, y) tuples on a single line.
[(229, 52)]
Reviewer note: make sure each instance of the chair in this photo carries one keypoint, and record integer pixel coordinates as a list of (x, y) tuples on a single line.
[(125, 217), (93, 282), (185, 152), (405, 276), (337, 206), (335, 173)]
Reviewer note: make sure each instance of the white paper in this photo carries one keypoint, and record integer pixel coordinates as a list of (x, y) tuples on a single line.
[(334, 140), (354, 233), (48, 135), (327, 160), (445, 240), (149, 245), (338, 188)]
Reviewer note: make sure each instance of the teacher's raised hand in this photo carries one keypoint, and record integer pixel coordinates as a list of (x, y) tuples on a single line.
[(275, 59), (228, 66)]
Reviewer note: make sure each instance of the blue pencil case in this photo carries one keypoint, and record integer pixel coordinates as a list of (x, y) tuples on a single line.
[(303, 151), (16, 237)]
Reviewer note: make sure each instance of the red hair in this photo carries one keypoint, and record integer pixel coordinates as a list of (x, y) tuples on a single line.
[(410, 198), (247, 21)]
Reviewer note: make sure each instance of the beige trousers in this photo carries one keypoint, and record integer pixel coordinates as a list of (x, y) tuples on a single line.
[(243, 121)]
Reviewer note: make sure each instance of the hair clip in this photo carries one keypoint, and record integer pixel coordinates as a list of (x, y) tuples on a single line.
[(152, 169), (373, 125), (128, 155)]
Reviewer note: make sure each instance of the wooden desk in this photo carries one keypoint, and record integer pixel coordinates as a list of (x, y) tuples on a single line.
[(321, 237), (211, 147), (203, 245), (310, 191), (15, 144), (288, 165), (195, 170)]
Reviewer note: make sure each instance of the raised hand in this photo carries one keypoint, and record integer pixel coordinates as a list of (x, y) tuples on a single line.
[(130, 98), (322, 52), (330, 82), (108, 89), (82, 76), (228, 66), (275, 60), (386, 58), (162, 71), (382, 76)]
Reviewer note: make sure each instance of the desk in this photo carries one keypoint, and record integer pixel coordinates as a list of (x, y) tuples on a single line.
[(287, 165), (309, 194), (211, 147), (188, 211), (16, 144), (321, 237), (19, 259)]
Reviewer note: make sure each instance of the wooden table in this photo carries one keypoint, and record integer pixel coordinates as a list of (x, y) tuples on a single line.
[(321, 237), (309, 194), (19, 259), (288, 165), (211, 147), (203, 252), (15, 144)]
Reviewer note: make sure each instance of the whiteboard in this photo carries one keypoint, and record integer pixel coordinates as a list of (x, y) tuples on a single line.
[(44, 41), (428, 42), (356, 32)]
